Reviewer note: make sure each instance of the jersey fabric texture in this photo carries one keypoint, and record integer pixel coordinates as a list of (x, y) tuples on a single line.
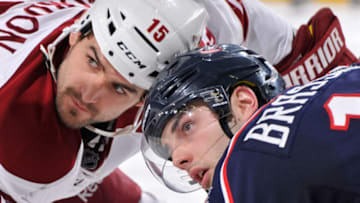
[(302, 147)]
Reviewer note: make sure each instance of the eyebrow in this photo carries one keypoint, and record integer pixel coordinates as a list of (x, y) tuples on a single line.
[(177, 121), (128, 88)]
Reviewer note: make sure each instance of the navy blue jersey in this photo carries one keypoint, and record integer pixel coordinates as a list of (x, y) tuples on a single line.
[(302, 147)]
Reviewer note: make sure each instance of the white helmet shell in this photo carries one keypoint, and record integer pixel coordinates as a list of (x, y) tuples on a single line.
[(139, 37)]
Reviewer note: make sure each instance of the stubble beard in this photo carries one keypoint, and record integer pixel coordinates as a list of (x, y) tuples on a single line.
[(70, 116)]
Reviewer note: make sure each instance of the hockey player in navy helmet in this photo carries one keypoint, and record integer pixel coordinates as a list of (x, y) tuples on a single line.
[(211, 127)]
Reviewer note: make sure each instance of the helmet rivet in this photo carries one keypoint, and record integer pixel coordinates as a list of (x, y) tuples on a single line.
[(131, 74), (111, 53), (216, 91), (219, 98)]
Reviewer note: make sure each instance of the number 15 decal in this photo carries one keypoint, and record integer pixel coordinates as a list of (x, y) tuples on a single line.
[(160, 32), (341, 108)]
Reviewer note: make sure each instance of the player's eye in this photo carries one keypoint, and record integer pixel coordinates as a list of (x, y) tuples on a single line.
[(93, 62), (187, 126), (119, 88)]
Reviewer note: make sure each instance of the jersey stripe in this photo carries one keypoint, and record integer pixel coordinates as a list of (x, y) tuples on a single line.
[(238, 7)]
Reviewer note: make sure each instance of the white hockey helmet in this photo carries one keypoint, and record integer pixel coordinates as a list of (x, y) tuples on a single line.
[(139, 37)]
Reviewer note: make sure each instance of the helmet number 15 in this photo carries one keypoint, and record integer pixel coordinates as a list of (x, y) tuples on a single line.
[(160, 31)]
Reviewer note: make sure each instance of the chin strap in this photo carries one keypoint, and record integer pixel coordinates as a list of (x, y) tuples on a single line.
[(225, 127), (48, 56), (127, 130), (50, 51)]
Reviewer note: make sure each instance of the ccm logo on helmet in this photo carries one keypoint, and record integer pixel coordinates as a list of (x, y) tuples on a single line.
[(130, 55)]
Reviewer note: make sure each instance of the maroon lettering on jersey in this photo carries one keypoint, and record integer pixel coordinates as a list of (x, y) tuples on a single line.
[(15, 25), (32, 9), (31, 20), (6, 5), (10, 37)]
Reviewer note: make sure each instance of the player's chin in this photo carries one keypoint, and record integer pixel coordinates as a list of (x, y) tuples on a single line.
[(75, 121), (75, 124), (208, 182), (207, 186)]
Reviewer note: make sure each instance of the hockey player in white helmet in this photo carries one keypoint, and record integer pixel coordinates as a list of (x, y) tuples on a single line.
[(101, 60)]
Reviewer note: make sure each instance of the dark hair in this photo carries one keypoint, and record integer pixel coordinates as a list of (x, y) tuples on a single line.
[(86, 31)]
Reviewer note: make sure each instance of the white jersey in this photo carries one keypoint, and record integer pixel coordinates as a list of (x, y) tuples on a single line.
[(24, 26), (249, 23)]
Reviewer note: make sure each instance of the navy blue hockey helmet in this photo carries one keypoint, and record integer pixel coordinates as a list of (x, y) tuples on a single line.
[(209, 74)]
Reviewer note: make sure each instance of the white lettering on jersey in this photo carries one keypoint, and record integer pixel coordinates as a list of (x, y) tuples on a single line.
[(89, 191), (277, 110), (264, 136), (300, 98), (279, 113), (316, 63), (262, 130)]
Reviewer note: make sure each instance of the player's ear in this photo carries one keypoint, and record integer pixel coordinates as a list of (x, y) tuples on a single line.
[(74, 37), (140, 103), (243, 103)]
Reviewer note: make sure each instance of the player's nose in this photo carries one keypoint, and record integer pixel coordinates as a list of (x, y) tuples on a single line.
[(92, 92), (182, 158)]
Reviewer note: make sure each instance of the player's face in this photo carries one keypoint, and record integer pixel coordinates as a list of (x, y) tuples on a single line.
[(89, 89), (196, 142)]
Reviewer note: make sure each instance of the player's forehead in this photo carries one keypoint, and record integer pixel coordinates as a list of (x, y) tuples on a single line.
[(195, 112)]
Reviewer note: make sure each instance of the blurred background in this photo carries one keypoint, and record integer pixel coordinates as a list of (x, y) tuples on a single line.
[(297, 12)]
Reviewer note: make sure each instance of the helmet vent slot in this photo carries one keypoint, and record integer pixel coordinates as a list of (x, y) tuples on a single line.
[(148, 42), (108, 14), (112, 28), (187, 75), (173, 85), (170, 91), (122, 15), (154, 74)]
